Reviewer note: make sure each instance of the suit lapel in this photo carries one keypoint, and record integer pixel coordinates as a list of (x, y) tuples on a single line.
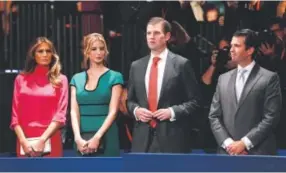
[(166, 76), (143, 70), (252, 79)]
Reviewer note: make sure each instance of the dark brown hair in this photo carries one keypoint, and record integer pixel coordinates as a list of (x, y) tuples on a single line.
[(54, 67)]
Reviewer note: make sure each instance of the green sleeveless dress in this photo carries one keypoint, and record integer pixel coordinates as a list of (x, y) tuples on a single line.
[(94, 107)]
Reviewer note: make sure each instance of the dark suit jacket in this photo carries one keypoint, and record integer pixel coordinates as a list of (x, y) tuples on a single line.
[(255, 115), (179, 91)]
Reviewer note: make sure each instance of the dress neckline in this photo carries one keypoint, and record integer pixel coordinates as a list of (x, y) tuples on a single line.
[(86, 80)]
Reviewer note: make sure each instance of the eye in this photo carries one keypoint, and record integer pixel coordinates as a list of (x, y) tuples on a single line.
[(44, 50)]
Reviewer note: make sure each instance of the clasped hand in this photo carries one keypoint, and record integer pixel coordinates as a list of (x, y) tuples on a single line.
[(88, 147), (237, 148), (145, 115), (35, 150)]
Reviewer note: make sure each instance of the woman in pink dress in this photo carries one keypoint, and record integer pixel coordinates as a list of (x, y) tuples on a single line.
[(40, 102)]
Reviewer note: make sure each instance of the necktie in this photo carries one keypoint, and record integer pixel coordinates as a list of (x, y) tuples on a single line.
[(240, 83), (152, 93)]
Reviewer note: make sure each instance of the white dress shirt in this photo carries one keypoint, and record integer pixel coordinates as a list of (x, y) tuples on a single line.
[(161, 68), (248, 69)]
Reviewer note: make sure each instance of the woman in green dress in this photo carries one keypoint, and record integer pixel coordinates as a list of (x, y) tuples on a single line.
[(95, 97)]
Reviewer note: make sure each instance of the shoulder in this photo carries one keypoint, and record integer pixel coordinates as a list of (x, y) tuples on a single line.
[(63, 78), (266, 73), (229, 73), (140, 61), (178, 58), (79, 75), (20, 78), (115, 73)]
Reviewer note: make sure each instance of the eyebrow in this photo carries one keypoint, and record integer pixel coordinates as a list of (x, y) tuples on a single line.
[(97, 47), (44, 49)]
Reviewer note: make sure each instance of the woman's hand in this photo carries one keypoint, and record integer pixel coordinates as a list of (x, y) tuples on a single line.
[(81, 145), (93, 144), (38, 147), (27, 148)]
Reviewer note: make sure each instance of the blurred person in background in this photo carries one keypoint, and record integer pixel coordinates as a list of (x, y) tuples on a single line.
[(272, 56)]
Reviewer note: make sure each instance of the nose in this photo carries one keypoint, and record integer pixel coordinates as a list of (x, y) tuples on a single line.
[(231, 49), (98, 52), (151, 35), (44, 53)]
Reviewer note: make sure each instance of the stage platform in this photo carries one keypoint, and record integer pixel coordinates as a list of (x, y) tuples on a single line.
[(147, 163)]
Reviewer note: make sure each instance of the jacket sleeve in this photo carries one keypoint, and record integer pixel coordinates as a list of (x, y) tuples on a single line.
[(215, 117), (192, 92), (272, 107), (131, 100)]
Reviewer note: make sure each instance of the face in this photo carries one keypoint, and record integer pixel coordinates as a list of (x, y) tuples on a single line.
[(238, 51), (43, 54), (212, 15), (97, 52), (223, 44), (277, 30), (156, 38)]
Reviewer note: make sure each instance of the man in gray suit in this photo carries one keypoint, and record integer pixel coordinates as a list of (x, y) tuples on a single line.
[(162, 95), (246, 105)]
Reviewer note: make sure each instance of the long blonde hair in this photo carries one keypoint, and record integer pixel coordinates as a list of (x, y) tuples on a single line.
[(87, 42), (54, 67)]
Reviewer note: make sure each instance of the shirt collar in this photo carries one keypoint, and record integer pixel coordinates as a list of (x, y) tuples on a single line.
[(162, 55), (248, 68)]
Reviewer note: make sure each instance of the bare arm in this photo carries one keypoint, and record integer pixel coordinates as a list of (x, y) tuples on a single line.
[(113, 108), (208, 75), (75, 114), (20, 134)]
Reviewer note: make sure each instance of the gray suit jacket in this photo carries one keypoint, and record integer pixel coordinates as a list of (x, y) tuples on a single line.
[(179, 91), (254, 116)]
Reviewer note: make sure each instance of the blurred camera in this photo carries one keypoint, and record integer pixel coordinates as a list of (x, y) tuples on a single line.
[(266, 36), (223, 56)]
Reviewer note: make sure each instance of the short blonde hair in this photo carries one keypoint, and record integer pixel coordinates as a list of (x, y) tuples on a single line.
[(88, 40)]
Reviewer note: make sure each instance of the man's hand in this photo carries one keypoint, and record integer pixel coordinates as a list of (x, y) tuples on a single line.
[(236, 148), (143, 114), (162, 114)]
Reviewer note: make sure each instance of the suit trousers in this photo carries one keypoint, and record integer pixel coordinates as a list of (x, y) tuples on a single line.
[(153, 142)]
